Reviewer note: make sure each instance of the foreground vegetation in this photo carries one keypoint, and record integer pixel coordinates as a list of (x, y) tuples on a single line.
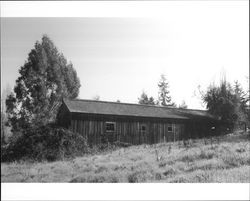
[(220, 159), (42, 143)]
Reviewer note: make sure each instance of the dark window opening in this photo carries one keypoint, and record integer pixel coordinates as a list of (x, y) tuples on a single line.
[(170, 128), (110, 126), (143, 128)]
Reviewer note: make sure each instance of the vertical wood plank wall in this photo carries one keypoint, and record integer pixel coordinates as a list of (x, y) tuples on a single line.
[(128, 131)]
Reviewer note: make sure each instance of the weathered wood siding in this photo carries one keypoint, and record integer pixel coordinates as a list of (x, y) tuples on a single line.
[(127, 129)]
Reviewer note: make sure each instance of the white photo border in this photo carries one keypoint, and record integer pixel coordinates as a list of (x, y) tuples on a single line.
[(63, 191)]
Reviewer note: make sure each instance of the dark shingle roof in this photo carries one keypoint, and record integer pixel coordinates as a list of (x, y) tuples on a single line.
[(128, 109)]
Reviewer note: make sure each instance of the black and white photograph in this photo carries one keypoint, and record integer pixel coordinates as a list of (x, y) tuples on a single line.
[(157, 95)]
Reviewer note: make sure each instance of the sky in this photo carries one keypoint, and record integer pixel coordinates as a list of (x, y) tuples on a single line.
[(119, 57)]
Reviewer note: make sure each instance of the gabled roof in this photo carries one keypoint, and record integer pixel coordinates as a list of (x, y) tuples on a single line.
[(136, 110)]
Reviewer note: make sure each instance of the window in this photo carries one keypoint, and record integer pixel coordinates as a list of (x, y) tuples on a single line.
[(170, 128), (143, 128), (110, 126)]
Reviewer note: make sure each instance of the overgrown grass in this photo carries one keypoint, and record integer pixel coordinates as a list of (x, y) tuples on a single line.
[(224, 160)]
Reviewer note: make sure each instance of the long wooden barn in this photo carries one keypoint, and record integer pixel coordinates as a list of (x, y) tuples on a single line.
[(101, 121)]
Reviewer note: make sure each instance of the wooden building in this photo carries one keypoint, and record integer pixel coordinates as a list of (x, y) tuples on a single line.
[(101, 121)]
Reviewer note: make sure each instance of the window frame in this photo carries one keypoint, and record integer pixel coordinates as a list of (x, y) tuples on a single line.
[(110, 122), (143, 126), (170, 126)]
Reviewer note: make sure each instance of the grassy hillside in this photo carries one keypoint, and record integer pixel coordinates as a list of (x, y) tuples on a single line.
[(224, 159)]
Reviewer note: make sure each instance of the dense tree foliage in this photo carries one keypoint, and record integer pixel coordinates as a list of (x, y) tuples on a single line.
[(5, 131), (45, 78), (241, 100), (145, 100), (227, 102), (44, 143)]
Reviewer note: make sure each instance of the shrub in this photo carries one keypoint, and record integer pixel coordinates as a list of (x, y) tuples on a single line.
[(158, 176), (162, 164), (206, 154), (139, 176), (188, 157), (170, 171), (101, 169), (45, 143)]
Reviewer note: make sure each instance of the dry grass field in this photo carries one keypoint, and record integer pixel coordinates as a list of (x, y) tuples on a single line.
[(224, 159)]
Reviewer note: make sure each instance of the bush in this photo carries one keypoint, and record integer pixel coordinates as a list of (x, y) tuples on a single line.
[(44, 143), (170, 171), (139, 176)]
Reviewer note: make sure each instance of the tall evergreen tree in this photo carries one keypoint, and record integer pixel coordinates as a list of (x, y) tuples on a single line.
[(240, 104), (164, 94), (45, 78), (143, 99)]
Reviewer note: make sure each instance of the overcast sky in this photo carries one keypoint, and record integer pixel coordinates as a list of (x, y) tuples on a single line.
[(118, 58)]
